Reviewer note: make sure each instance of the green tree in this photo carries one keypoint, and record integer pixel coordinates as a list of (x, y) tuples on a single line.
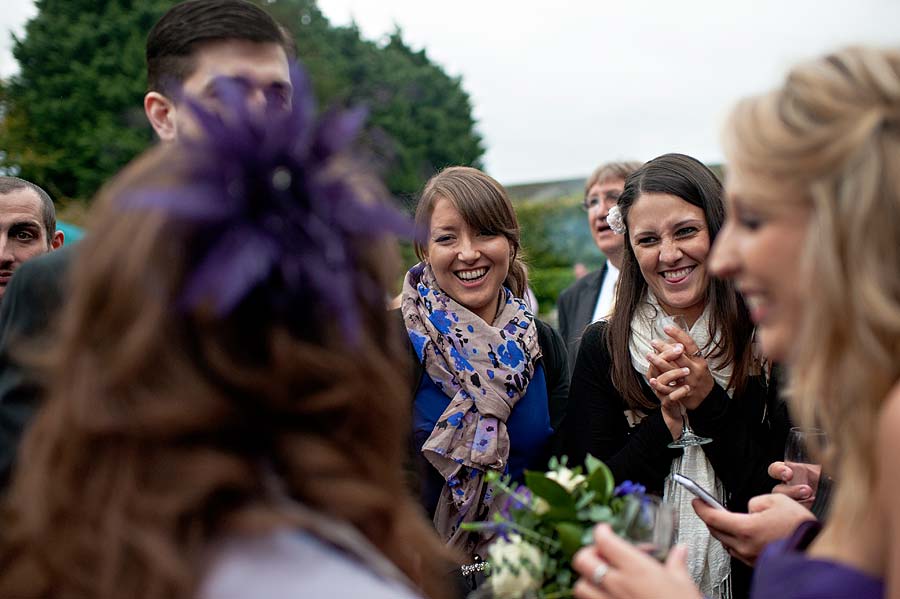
[(555, 236), (73, 113), (421, 118), (72, 117)]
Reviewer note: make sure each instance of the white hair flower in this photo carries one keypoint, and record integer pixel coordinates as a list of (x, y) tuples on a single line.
[(615, 221), (517, 567)]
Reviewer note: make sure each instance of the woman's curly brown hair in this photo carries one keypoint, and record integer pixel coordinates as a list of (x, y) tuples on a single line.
[(160, 427)]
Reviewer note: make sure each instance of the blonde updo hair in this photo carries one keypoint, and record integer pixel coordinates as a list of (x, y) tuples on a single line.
[(830, 138)]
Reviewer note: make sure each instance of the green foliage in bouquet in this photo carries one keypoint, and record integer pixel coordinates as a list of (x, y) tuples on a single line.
[(540, 525)]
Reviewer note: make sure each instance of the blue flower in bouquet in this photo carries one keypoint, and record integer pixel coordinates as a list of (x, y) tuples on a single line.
[(544, 522), (629, 488)]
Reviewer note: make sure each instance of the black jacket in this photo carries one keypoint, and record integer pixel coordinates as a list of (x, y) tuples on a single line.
[(33, 298), (748, 432), (575, 309)]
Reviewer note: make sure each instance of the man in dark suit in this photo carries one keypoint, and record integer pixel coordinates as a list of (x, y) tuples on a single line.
[(590, 298), (191, 45)]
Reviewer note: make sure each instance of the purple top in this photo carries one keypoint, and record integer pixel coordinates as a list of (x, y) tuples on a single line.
[(785, 571)]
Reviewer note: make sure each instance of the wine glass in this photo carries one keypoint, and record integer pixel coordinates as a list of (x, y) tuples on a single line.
[(688, 437), (806, 468), (650, 525)]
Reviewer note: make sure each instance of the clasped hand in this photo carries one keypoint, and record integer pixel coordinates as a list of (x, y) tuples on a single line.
[(678, 374)]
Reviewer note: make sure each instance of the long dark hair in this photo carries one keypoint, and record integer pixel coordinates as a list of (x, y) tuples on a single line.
[(690, 180)]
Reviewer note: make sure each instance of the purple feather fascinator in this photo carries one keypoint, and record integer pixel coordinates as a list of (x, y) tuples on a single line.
[(265, 209)]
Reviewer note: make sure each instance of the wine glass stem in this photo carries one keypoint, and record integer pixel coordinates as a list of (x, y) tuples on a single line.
[(684, 420)]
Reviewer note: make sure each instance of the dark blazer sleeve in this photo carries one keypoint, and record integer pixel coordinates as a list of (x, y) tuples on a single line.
[(575, 309), (596, 421), (32, 299), (556, 371), (564, 312)]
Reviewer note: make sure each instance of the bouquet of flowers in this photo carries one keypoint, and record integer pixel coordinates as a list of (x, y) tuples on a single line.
[(540, 526)]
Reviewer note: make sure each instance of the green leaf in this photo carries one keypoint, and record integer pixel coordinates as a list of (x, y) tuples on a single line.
[(627, 516), (562, 504), (597, 513), (600, 479), (570, 537), (587, 498)]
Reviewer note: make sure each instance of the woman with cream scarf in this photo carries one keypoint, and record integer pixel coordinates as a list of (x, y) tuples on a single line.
[(628, 386)]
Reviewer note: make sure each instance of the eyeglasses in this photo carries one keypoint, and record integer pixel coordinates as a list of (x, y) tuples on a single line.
[(591, 202)]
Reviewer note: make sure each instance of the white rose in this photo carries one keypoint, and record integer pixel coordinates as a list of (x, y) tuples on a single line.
[(517, 567), (615, 221), (566, 478), (540, 506)]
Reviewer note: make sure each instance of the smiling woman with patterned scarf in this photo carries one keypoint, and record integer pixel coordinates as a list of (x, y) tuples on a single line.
[(491, 381)]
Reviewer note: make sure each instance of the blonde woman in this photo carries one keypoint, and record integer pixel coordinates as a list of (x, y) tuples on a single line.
[(814, 196)]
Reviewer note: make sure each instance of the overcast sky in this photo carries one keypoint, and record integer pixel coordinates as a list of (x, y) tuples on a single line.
[(559, 87)]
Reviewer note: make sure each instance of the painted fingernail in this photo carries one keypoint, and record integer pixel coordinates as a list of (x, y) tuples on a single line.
[(652, 381), (679, 347), (804, 494), (686, 370)]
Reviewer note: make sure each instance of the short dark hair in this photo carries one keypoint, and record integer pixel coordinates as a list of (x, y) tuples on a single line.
[(48, 211), (175, 38)]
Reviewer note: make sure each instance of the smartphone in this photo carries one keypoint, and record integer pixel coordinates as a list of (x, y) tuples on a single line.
[(697, 490)]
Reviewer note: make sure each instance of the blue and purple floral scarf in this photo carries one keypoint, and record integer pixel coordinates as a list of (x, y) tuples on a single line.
[(485, 369)]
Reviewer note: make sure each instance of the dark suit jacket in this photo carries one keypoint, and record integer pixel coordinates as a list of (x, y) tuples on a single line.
[(33, 297), (575, 306)]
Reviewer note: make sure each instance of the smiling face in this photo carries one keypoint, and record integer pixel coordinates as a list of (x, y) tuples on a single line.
[(760, 247), (670, 240), (599, 199), (470, 266)]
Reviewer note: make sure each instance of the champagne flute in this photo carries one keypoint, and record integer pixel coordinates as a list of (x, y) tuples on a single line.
[(688, 437), (805, 467), (650, 525)]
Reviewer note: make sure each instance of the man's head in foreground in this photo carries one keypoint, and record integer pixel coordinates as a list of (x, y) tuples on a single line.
[(198, 41)]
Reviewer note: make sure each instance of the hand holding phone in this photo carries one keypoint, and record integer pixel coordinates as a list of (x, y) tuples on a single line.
[(707, 497)]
